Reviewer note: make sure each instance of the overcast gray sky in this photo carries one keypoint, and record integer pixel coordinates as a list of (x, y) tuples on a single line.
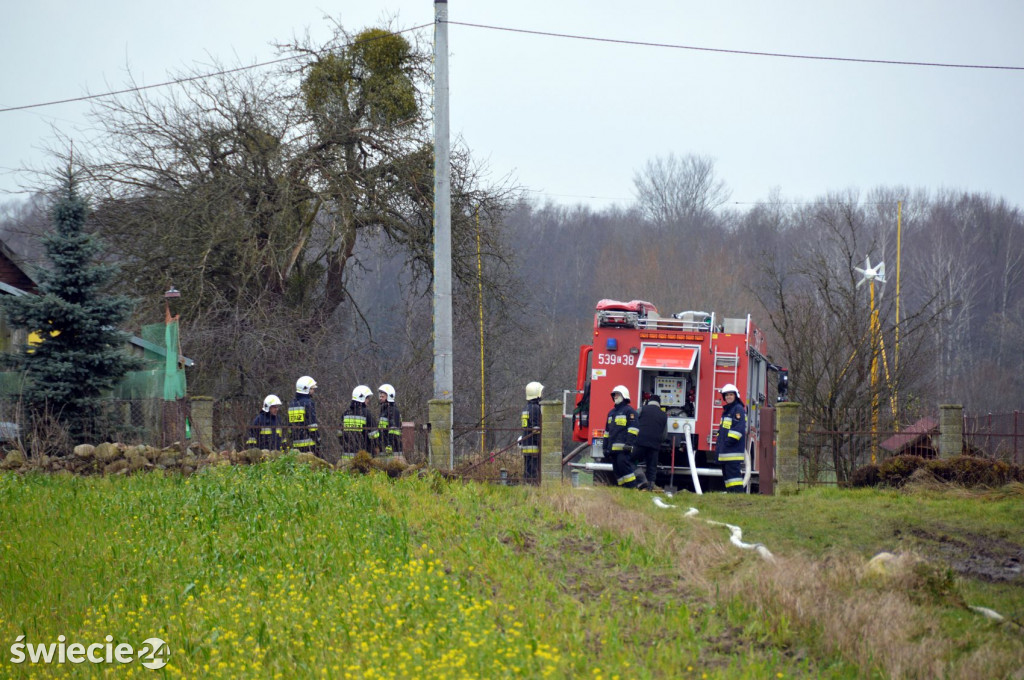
[(573, 120)]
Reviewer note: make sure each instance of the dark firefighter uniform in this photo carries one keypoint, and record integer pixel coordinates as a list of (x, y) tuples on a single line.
[(357, 431), (389, 427), (620, 433), (266, 432), (302, 421), (731, 443), (530, 441), (652, 423)]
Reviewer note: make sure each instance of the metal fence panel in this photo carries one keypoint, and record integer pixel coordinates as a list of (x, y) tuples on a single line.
[(999, 436)]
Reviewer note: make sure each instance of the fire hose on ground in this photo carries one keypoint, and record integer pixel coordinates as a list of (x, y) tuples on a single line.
[(879, 561)]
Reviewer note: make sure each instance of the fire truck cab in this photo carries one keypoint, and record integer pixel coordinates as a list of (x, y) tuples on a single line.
[(685, 359)]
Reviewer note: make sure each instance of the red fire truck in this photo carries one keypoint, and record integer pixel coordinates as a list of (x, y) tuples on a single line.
[(685, 359)]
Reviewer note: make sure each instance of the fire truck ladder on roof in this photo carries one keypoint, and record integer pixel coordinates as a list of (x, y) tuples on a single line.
[(727, 366)]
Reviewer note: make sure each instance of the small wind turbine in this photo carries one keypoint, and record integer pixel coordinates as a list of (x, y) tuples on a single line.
[(870, 273)]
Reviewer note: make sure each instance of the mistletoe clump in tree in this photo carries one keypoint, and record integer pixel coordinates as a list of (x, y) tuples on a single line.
[(82, 351)]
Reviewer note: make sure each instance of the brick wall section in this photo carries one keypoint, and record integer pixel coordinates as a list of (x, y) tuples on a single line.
[(202, 420), (951, 430), (551, 442), (439, 414)]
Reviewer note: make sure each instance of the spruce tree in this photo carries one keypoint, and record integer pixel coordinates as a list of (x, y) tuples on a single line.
[(82, 353)]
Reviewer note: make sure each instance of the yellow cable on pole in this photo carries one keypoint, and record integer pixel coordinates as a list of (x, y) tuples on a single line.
[(896, 353), (480, 298), (874, 375)]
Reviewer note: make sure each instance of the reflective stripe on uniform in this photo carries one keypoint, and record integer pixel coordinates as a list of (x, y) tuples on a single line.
[(727, 457), (729, 483), (626, 479), (733, 434), (531, 449), (354, 423), (727, 423), (618, 446), (633, 430), (296, 414), (620, 420)]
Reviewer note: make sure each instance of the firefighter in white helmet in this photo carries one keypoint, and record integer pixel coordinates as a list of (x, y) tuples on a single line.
[(305, 433), (389, 424), (358, 430), (529, 442), (620, 433), (732, 438), (266, 431)]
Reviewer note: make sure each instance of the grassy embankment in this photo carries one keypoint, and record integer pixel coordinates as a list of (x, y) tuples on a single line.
[(280, 571)]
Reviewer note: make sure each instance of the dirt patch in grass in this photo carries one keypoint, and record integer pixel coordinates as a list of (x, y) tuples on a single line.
[(971, 555)]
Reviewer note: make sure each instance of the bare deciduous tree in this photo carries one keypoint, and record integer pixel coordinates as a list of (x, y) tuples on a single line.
[(250, 191), (679, 190)]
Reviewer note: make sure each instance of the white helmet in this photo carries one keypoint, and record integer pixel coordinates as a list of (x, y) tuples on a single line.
[(271, 400), (361, 393), (623, 390), (304, 384), (534, 390), (730, 388), (387, 389)]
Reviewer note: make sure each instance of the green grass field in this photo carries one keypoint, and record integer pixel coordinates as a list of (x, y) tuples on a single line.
[(277, 570)]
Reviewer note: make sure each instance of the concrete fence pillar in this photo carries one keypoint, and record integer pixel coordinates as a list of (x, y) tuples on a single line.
[(951, 430), (787, 447), (439, 415), (202, 420), (551, 441)]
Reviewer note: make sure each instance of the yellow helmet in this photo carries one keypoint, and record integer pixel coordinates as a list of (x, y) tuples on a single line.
[(304, 384), (534, 390)]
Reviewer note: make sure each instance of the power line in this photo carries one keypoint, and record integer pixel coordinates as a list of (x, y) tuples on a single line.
[(752, 53), (179, 81), (618, 41)]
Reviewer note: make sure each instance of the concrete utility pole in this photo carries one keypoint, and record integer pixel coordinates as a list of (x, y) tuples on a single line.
[(443, 381)]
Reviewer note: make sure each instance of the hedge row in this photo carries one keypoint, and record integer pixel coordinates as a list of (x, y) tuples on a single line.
[(967, 471)]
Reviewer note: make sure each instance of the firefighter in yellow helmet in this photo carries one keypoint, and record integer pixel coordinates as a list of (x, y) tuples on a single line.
[(732, 439), (302, 417), (529, 442), (389, 424), (266, 431), (620, 433), (358, 432)]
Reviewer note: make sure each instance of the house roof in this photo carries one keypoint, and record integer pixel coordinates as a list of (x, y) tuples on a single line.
[(912, 435), (13, 271)]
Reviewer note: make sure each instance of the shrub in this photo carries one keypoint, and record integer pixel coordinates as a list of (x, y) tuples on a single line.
[(865, 476), (897, 470), (972, 471)]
